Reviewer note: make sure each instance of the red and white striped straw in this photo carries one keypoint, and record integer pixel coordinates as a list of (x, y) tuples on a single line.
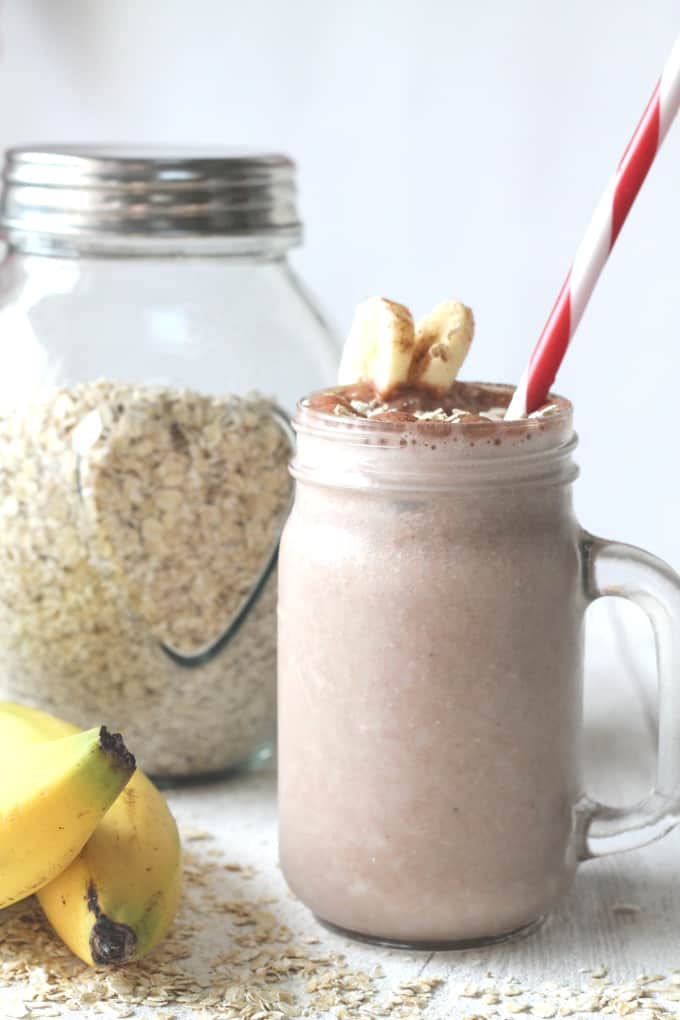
[(598, 241)]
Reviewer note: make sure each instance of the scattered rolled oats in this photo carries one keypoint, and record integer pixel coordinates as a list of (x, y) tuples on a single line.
[(491, 998), (135, 522), (544, 1009), (516, 1006), (600, 973), (205, 969), (511, 989)]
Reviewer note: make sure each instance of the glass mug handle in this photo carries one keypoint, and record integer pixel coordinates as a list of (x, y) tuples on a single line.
[(613, 568)]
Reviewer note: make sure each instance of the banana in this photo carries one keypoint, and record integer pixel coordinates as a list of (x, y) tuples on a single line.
[(52, 796), (379, 346), (443, 339), (119, 896)]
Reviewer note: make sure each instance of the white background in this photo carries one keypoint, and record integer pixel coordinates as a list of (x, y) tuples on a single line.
[(446, 149)]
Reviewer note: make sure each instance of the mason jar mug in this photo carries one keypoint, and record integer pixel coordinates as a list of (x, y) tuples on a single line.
[(433, 587)]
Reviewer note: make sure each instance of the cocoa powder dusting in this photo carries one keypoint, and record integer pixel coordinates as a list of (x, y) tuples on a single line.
[(465, 403)]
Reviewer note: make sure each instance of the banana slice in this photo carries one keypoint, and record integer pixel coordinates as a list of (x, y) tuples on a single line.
[(443, 339), (380, 345)]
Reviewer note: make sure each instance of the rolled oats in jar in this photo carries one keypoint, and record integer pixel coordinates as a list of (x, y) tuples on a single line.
[(155, 345)]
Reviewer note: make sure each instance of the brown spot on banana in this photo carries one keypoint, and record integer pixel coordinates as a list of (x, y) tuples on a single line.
[(111, 942)]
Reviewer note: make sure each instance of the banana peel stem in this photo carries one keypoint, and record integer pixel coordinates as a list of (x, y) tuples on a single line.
[(110, 941), (113, 746)]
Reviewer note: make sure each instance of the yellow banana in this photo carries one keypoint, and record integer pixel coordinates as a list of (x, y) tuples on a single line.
[(119, 896), (52, 796)]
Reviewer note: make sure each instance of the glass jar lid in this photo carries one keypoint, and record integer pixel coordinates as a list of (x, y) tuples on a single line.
[(81, 193)]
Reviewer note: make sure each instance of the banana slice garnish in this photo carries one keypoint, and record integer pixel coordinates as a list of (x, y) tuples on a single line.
[(380, 346), (385, 349), (443, 339)]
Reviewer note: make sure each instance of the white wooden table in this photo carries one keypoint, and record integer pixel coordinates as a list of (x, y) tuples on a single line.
[(622, 915)]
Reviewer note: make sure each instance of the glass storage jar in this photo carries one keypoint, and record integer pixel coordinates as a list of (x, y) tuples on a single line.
[(154, 338)]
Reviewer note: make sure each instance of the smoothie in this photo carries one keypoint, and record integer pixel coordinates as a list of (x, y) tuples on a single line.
[(433, 586), (430, 663)]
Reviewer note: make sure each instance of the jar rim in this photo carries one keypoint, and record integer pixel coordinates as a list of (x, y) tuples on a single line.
[(429, 456)]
